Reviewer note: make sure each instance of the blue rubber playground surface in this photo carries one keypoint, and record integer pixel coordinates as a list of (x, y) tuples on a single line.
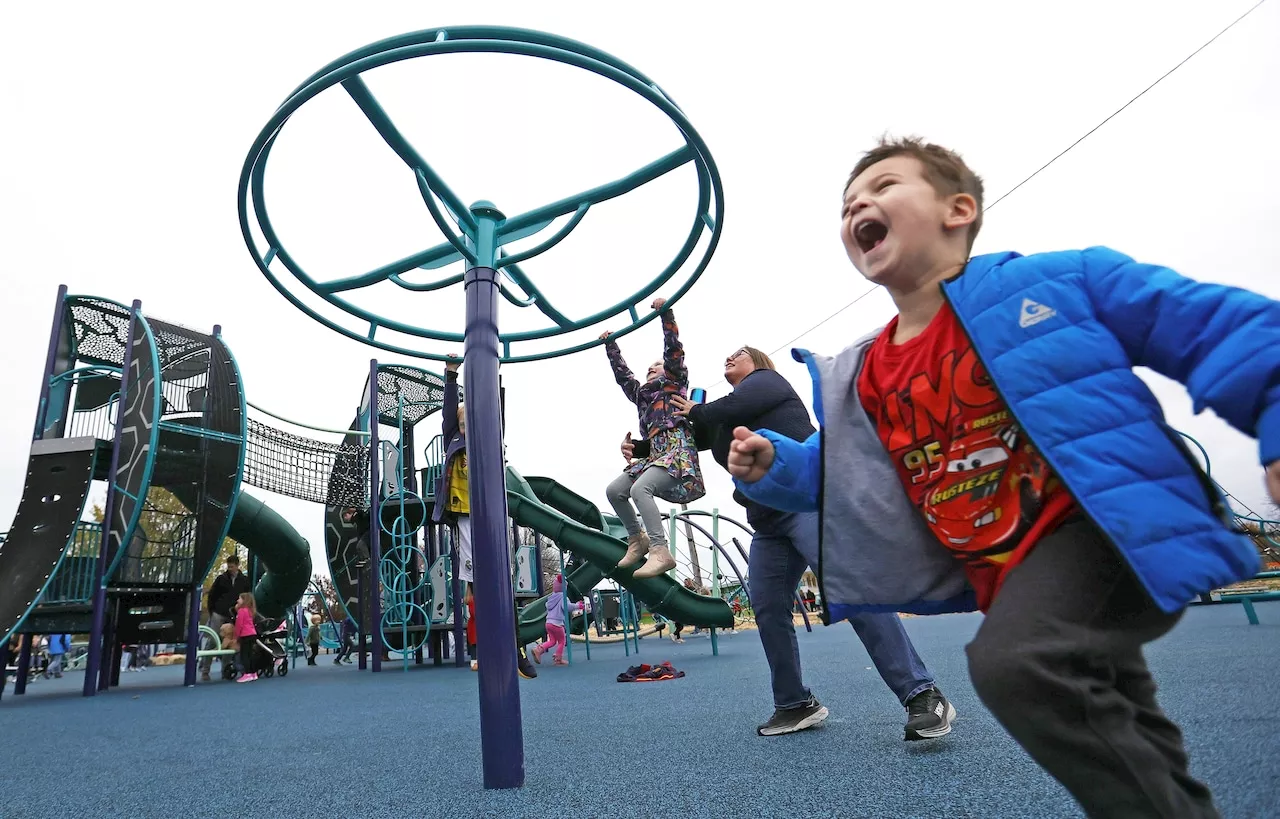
[(337, 742)]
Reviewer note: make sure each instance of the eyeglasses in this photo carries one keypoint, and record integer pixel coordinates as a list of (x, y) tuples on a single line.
[(740, 352)]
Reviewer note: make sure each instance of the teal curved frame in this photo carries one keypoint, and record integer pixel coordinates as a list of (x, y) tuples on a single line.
[(482, 39), (1254, 518)]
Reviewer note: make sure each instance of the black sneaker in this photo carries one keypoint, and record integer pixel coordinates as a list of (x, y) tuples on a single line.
[(525, 667), (790, 720), (929, 715)]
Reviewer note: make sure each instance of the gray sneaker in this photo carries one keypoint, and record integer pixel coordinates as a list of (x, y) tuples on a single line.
[(790, 720)]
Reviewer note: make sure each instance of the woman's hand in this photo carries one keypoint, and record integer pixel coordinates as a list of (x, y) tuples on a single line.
[(682, 405), (658, 303), (1273, 480), (628, 448), (451, 366), (605, 335)]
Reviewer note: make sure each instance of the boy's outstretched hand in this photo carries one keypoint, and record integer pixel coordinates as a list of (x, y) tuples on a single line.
[(750, 455), (1273, 480)]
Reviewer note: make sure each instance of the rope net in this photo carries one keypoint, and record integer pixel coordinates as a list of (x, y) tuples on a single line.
[(301, 467)]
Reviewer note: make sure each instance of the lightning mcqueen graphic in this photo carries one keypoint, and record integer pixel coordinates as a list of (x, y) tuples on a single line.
[(967, 509)]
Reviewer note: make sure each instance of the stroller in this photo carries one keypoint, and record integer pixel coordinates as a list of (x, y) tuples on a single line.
[(269, 657)]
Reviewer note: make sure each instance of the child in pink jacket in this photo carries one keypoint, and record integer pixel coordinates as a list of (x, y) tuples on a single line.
[(246, 631)]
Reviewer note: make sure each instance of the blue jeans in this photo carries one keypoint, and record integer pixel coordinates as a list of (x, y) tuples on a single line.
[(780, 553)]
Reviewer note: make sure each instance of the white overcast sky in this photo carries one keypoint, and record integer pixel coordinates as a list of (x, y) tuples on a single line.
[(125, 128)]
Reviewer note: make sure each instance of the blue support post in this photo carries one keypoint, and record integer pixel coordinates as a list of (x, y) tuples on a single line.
[(4, 663), (93, 663), (375, 521), (501, 731)]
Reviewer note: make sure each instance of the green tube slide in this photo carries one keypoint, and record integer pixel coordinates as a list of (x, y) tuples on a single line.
[(575, 524), (278, 545)]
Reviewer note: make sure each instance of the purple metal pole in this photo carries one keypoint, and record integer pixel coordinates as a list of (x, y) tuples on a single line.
[(94, 660), (362, 614), (459, 608), (24, 664), (51, 360), (501, 732), (375, 520), (108, 643), (193, 638), (117, 660), (4, 663), (539, 585)]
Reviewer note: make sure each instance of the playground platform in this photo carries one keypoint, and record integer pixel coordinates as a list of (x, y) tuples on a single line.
[(397, 744)]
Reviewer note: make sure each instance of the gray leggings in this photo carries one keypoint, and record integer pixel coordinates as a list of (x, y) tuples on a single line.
[(622, 491)]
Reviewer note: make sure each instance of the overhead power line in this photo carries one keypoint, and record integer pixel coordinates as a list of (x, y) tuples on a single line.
[(1061, 154)]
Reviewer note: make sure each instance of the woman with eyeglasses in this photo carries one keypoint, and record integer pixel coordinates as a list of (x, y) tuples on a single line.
[(666, 465), (784, 545)]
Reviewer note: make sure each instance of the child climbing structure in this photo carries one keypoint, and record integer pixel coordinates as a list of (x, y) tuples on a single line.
[(153, 412)]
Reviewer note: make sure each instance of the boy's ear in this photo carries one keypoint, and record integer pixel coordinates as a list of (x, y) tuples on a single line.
[(962, 210)]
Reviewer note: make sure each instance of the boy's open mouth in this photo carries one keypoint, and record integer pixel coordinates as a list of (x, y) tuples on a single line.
[(869, 235)]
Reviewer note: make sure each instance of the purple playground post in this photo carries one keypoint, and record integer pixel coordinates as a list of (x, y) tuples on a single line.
[(501, 731), (24, 664), (93, 663), (538, 585), (4, 663), (193, 638), (375, 521), (459, 607), (51, 361), (362, 610)]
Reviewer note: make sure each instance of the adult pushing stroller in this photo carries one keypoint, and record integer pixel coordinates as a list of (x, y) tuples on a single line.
[(269, 657)]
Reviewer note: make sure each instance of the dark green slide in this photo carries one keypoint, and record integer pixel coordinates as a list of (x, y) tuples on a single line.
[(286, 554), (575, 523)]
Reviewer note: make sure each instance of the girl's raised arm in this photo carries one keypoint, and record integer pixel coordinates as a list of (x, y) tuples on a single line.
[(621, 373)]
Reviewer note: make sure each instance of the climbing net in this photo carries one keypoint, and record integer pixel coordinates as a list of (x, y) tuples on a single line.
[(301, 467)]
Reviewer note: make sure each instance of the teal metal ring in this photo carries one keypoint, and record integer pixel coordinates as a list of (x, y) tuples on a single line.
[(480, 39)]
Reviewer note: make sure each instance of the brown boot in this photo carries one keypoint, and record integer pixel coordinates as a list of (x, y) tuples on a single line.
[(637, 546), (659, 562)]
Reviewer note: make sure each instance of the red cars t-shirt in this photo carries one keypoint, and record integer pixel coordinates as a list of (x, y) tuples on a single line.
[(984, 490)]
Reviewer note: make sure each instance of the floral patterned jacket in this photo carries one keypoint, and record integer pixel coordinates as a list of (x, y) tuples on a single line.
[(670, 436)]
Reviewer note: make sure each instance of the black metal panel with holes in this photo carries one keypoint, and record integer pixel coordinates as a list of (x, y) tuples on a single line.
[(137, 438), (59, 473), (347, 543)]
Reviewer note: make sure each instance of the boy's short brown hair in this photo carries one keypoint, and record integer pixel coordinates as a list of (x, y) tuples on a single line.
[(943, 169)]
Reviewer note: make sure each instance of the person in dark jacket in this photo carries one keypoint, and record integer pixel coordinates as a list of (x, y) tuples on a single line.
[(347, 641), (784, 545), (220, 603)]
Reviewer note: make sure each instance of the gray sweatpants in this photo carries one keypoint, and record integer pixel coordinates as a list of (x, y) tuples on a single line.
[(1059, 663), (622, 492)]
